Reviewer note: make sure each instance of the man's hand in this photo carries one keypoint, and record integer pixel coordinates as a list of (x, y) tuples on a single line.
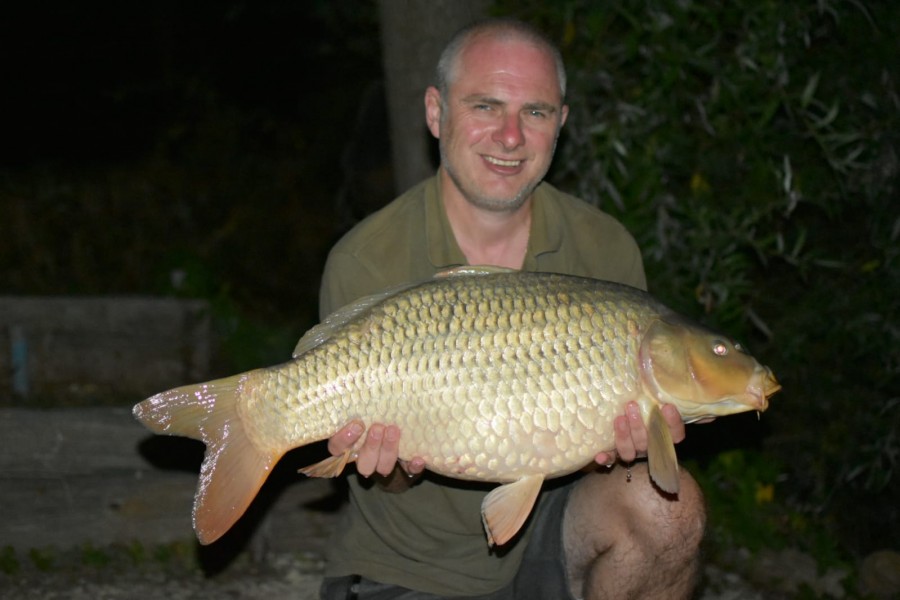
[(378, 453), (631, 434)]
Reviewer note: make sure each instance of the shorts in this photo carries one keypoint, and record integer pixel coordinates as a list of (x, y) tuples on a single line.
[(541, 575)]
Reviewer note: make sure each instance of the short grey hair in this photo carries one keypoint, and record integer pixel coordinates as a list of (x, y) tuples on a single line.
[(503, 29)]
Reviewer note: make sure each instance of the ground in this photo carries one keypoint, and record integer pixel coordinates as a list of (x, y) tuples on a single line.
[(282, 576), (92, 507)]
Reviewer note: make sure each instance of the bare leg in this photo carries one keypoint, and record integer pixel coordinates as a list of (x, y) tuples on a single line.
[(626, 539)]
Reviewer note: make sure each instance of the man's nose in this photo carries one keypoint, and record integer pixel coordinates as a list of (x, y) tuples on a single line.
[(510, 134)]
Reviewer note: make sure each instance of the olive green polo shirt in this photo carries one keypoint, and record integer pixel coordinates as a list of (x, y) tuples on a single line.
[(430, 537), (410, 239)]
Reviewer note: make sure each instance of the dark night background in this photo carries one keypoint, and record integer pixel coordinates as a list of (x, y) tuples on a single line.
[(202, 141), (100, 83)]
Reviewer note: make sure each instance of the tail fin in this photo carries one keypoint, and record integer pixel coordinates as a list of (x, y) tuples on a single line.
[(233, 467)]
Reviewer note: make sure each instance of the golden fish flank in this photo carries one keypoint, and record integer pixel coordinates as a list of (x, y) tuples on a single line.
[(491, 375)]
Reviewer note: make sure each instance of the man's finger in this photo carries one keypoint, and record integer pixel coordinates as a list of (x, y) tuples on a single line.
[(387, 456), (367, 458), (638, 430), (415, 466), (344, 439), (606, 459), (624, 444)]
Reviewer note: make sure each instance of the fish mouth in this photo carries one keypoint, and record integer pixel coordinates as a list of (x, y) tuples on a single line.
[(761, 392), (755, 397)]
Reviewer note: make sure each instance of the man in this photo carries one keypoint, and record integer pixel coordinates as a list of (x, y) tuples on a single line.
[(497, 111)]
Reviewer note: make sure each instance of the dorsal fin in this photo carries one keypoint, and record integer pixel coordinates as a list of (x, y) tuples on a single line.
[(472, 270), (336, 320)]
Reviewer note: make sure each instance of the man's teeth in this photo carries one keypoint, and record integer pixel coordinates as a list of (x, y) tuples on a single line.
[(502, 163)]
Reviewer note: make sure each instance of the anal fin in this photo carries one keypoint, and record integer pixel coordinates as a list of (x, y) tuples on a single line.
[(331, 466)]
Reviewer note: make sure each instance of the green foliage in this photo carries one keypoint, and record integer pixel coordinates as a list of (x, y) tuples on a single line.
[(176, 554), (92, 556), (740, 491), (745, 493), (751, 147), (176, 558), (136, 553), (9, 562), (42, 559)]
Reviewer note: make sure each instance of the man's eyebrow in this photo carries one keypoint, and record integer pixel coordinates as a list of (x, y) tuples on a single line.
[(482, 99), (541, 106)]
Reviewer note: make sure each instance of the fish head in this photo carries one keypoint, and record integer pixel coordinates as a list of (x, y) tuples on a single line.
[(703, 373)]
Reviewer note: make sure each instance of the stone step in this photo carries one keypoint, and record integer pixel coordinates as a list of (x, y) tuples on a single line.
[(70, 477)]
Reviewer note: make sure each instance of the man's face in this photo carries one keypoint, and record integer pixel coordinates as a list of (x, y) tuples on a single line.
[(499, 125)]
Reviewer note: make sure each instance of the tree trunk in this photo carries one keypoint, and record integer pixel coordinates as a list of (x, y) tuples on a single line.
[(413, 33)]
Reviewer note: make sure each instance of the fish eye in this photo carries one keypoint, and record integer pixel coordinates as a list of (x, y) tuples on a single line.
[(719, 348)]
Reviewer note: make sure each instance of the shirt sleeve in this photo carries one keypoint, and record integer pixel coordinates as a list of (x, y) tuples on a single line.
[(344, 280), (634, 274)]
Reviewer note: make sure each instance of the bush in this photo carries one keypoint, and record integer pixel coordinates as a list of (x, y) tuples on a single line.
[(751, 147)]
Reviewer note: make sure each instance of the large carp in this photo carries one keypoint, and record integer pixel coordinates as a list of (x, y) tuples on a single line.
[(490, 374)]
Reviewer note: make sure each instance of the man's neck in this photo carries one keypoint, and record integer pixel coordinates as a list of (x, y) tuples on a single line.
[(488, 237)]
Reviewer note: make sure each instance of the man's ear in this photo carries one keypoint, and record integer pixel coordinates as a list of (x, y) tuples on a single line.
[(565, 115), (433, 111)]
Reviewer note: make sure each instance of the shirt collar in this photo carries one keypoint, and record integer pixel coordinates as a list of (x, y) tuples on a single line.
[(444, 252), (546, 224)]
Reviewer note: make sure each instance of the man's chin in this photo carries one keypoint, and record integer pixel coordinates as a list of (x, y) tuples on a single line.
[(495, 196), (498, 204), (503, 199)]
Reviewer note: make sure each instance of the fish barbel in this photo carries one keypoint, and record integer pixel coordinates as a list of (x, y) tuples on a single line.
[(490, 374)]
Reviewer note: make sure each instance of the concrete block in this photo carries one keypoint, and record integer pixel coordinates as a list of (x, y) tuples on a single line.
[(101, 346)]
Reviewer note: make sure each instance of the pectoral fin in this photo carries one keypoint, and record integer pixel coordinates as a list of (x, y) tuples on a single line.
[(661, 456), (505, 509)]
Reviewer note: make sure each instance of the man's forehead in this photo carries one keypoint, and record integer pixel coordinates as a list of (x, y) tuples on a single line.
[(487, 48), (487, 64)]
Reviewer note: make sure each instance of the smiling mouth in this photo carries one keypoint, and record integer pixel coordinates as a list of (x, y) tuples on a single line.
[(502, 163)]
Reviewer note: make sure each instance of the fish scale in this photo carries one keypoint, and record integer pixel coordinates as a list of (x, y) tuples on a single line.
[(490, 375)]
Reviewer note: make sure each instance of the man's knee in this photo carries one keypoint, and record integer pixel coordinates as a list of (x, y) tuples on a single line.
[(684, 516), (626, 538), (615, 505)]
